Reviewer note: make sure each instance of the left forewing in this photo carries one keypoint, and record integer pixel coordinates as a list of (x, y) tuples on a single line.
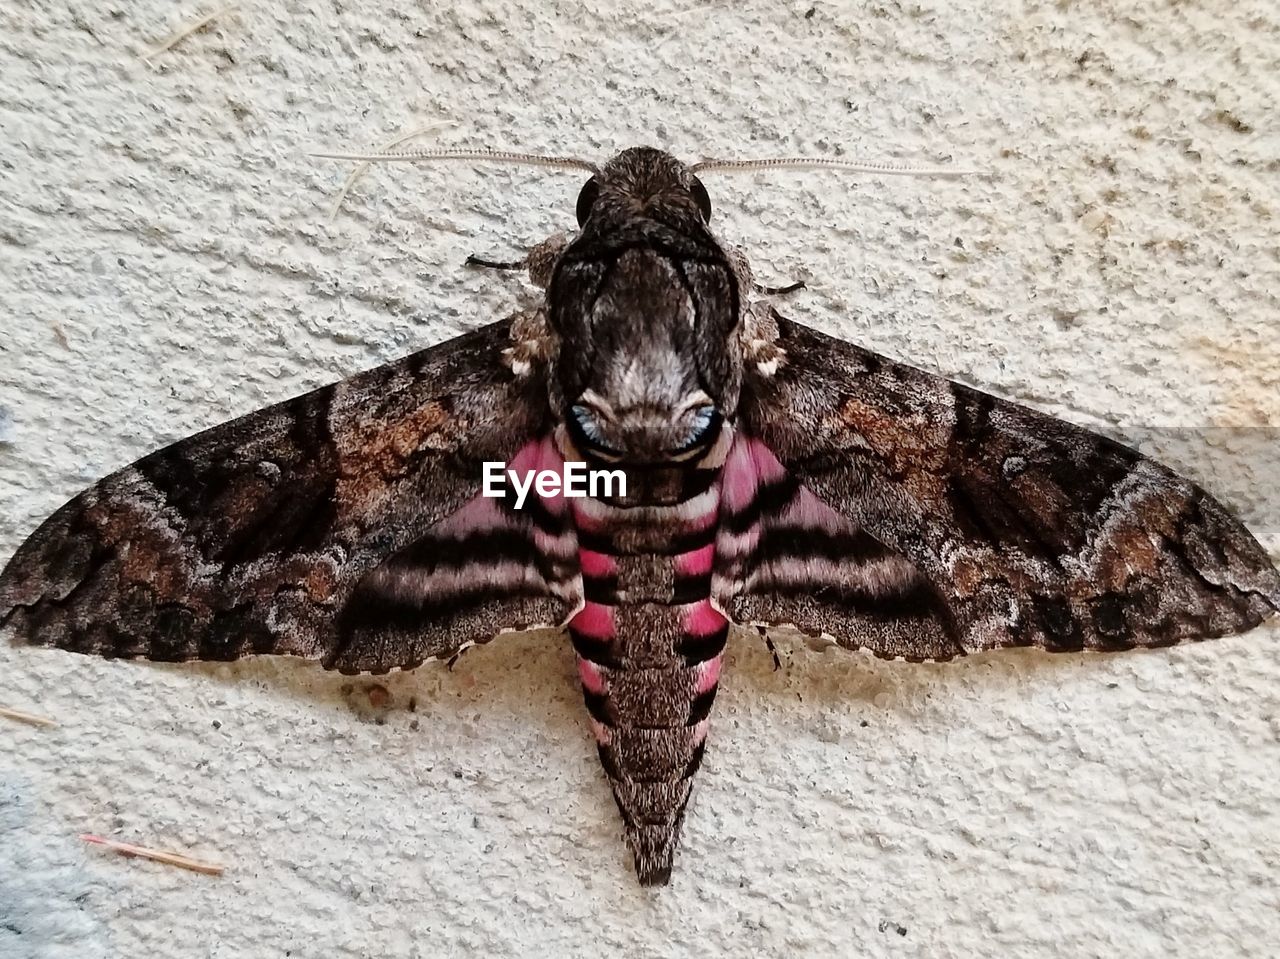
[(343, 525), (922, 519)]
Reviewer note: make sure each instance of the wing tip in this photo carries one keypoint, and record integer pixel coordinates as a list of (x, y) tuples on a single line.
[(15, 614), (1269, 590)]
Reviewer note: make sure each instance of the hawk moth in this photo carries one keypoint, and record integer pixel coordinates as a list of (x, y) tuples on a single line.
[(776, 475)]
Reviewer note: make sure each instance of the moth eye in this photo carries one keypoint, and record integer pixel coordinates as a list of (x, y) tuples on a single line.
[(706, 426), (702, 198), (586, 431), (587, 199)]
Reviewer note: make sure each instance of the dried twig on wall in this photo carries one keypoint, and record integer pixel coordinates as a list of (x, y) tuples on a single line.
[(22, 717), (169, 858), (186, 31)]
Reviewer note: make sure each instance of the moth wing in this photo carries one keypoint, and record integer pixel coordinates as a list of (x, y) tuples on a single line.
[(919, 518), (343, 525)]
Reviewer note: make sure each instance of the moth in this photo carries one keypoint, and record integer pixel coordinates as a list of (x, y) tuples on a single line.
[(775, 476)]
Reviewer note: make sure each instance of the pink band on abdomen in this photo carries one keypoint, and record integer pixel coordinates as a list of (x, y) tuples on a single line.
[(702, 619), (697, 563), (596, 564), (592, 678), (707, 674), (595, 621)]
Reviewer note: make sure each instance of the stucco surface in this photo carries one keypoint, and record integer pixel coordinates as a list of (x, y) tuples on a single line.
[(167, 262)]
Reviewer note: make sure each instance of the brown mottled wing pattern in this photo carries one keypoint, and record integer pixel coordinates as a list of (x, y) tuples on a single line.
[(341, 526), (945, 521)]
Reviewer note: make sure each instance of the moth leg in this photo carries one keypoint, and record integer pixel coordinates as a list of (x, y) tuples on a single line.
[(778, 290), (746, 278), (474, 260), (539, 261)]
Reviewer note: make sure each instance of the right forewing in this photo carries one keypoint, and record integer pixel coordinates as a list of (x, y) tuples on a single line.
[(923, 519)]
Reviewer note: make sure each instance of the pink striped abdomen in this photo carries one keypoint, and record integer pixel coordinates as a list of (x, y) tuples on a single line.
[(649, 648)]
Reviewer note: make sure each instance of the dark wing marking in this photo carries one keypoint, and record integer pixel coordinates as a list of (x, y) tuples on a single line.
[(339, 526), (959, 522)]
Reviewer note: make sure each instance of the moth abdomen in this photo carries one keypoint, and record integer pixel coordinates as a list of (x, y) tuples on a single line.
[(649, 648)]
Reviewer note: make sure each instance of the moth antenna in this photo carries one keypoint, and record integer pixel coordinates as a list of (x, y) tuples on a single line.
[(158, 855), (361, 168), (22, 717), (186, 31), (826, 163), (487, 156)]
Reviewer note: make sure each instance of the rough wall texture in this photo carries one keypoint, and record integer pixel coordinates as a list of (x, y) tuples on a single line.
[(166, 262)]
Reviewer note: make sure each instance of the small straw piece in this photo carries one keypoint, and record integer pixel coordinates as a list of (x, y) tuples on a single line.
[(186, 31), (169, 858), (26, 717), (362, 167), (491, 156), (826, 163)]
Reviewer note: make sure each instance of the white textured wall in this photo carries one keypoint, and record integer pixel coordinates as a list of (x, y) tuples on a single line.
[(166, 263)]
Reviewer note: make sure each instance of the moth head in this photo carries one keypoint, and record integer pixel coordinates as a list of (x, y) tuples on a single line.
[(643, 184), (645, 304)]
